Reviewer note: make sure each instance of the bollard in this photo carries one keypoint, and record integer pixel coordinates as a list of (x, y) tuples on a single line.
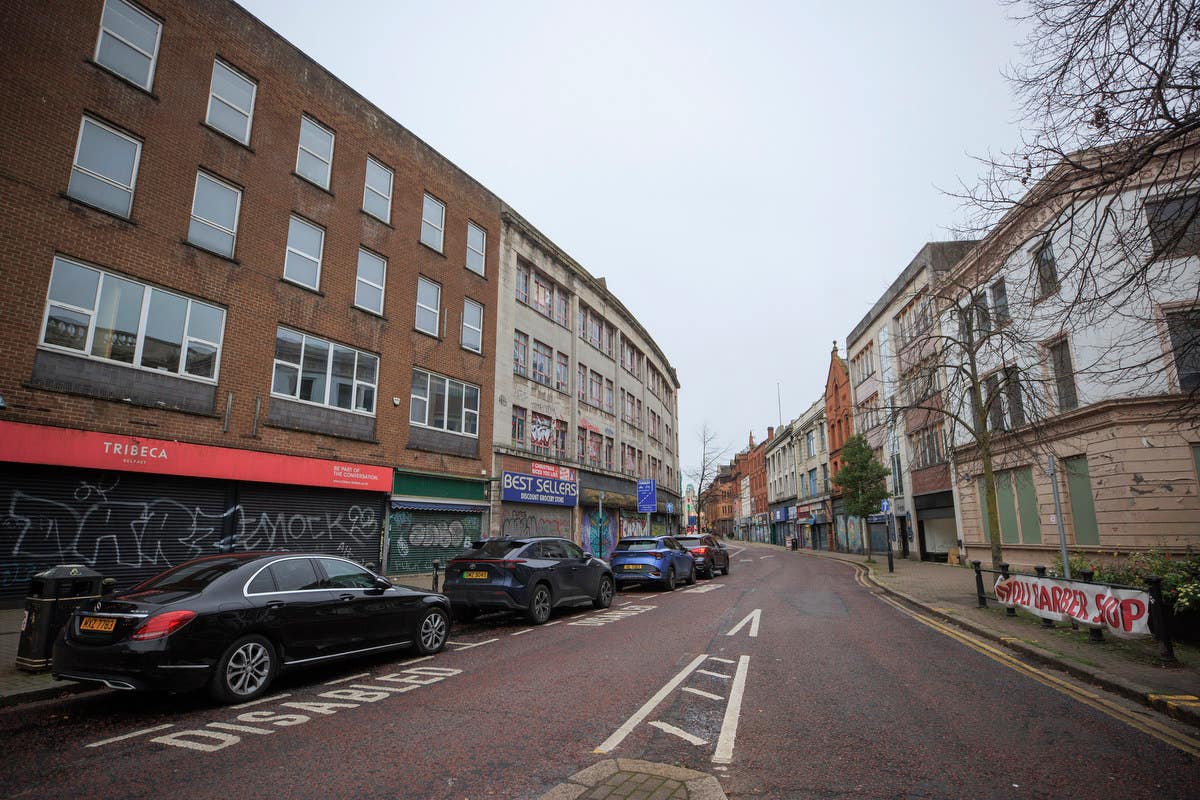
[(1011, 611), (436, 564), (1094, 634), (1041, 573), (979, 593), (1161, 619)]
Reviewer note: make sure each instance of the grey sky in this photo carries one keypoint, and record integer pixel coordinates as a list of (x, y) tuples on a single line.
[(748, 176)]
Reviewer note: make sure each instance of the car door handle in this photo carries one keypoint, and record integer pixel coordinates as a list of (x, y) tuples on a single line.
[(345, 596), (275, 604)]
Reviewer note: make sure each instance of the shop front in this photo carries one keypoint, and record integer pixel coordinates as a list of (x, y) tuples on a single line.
[(936, 534), (535, 499), (130, 506), (608, 513), (432, 518), (783, 527)]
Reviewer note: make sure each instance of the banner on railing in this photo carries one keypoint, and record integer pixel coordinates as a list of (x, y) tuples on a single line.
[(1125, 612)]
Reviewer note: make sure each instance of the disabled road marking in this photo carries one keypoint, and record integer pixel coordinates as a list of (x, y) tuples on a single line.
[(753, 619), (460, 646), (133, 735), (347, 680), (708, 587), (680, 732)]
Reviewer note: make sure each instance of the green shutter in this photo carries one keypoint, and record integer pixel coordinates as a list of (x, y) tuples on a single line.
[(437, 486), (1083, 504), (1008, 508), (1031, 525), (985, 523)]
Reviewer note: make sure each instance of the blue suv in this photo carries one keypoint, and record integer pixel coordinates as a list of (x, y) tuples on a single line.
[(652, 559)]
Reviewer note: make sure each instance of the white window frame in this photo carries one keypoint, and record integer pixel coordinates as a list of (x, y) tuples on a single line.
[(212, 95), (301, 148), (330, 345), (369, 189), (237, 211), (147, 290), (440, 227), (153, 56), (482, 252), (358, 278), (466, 326), (468, 413), (137, 161), (437, 312), (319, 256)]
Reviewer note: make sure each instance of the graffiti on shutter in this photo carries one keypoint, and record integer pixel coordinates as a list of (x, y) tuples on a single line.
[(417, 538)]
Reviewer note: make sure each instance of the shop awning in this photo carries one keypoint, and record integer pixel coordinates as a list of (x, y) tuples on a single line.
[(414, 505)]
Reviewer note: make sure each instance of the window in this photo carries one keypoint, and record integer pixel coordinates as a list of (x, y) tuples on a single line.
[(302, 264), (1174, 225), (522, 282), (476, 247), (1000, 303), (581, 444), (594, 388), (541, 433), (97, 314), (581, 383), (543, 294), (543, 356), (472, 327), (368, 287), (314, 156), (926, 446), (444, 403), (810, 443), (562, 373), (1184, 330), (105, 167), (520, 353), (993, 405), (1047, 272), (128, 43), (608, 452), (317, 371), (518, 425), (433, 223), (1064, 375), (215, 208), (982, 316), (560, 438), (429, 306), (561, 301), (230, 102), (377, 191), (608, 395)]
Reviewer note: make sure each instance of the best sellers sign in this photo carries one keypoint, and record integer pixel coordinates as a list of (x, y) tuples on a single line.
[(519, 487)]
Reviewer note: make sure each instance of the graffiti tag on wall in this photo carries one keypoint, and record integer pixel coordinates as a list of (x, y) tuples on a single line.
[(598, 532), (521, 523), (414, 544)]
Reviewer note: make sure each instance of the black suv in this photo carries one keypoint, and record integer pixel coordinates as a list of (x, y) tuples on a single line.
[(709, 553)]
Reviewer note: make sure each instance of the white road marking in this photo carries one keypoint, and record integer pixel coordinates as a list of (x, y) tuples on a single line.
[(747, 560), (760, 558), (346, 680), (709, 695), (460, 646), (518, 633), (682, 734), (414, 661), (708, 587), (229, 726), (262, 700), (133, 735), (556, 622), (620, 733), (722, 660), (733, 712), (627, 602), (753, 618), (714, 674)]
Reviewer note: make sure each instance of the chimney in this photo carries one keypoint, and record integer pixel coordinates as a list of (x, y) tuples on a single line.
[(770, 433)]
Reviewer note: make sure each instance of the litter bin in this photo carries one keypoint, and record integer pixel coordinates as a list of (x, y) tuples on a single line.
[(53, 595)]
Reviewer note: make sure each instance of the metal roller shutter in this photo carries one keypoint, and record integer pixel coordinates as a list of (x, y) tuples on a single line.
[(125, 525), (335, 521), (416, 538)]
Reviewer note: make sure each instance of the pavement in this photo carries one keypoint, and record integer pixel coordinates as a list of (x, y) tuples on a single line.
[(1130, 668)]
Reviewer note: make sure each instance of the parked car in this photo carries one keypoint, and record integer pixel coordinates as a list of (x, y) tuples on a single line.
[(653, 559), (710, 554), (531, 575), (232, 622)]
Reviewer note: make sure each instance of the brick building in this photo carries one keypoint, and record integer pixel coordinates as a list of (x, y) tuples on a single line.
[(717, 504), (839, 415), (242, 306)]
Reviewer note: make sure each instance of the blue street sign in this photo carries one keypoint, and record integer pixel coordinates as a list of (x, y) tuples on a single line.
[(647, 495), (885, 506), (670, 508)]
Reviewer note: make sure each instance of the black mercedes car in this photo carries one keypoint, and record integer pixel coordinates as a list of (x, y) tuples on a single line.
[(232, 622), (531, 575)]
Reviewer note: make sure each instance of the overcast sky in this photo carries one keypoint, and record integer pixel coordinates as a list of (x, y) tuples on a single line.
[(748, 176)]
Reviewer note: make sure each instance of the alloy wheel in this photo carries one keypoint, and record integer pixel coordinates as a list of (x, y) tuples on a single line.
[(433, 632), (248, 669)]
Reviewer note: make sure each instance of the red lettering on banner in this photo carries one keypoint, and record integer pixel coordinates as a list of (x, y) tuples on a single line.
[(1131, 611)]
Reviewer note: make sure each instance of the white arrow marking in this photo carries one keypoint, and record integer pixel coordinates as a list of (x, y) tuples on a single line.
[(733, 712), (753, 617), (682, 734)]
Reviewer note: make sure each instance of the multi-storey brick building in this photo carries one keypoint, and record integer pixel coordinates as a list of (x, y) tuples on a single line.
[(750, 469), (718, 503), (840, 418), (242, 306), (590, 399)]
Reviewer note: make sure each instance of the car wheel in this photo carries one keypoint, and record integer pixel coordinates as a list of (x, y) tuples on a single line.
[(539, 604), (725, 569), (691, 578), (433, 631), (244, 671), (604, 594), (669, 581)]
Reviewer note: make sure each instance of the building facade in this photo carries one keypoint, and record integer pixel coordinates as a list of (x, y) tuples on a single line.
[(780, 459), (814, 509), (718, 504), (844, 532)]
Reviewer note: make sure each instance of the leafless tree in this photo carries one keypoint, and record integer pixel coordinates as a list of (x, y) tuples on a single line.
[(712, 453)]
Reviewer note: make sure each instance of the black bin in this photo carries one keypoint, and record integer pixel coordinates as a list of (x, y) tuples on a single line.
[(53, 595)]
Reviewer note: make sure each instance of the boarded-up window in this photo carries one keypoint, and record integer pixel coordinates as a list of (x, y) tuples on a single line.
[(1083, 505)]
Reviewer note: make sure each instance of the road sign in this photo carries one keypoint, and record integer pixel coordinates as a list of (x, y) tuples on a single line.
[(647, 495), (670, 508), (885, 507)]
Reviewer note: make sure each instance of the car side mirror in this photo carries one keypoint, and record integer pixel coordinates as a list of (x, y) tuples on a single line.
[(382, 584), (588, 557)]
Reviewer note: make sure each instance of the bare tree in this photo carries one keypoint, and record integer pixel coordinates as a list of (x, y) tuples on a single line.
[(712, 453)]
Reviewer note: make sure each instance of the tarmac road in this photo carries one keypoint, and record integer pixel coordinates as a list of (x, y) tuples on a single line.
[(787, 679)]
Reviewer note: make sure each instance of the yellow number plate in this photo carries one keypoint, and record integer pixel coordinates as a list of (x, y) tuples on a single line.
[(97, 624), (475, 575), (632, 566)]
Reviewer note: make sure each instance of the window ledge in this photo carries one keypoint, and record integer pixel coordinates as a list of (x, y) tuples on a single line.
[(278, 427), (90, 207), (212, 253), (376, 219), (431, 248), (473, 352), (481, 275), (309, 289), (226, 136), (122, 78), (312, 183), (433, 336), (377, 315)]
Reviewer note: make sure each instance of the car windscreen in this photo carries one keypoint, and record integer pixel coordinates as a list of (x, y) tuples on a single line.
[(493, 548), (690, 541), (191, 577), (638, 544)]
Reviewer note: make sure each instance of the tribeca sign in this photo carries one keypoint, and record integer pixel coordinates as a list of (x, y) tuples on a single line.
[(1125, 612), (519, 487)]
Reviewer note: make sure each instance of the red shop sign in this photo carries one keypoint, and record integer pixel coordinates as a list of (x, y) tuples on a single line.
[(39, 444)]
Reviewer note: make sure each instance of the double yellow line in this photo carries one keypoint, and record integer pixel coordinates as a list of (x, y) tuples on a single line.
[(1146, 724)]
